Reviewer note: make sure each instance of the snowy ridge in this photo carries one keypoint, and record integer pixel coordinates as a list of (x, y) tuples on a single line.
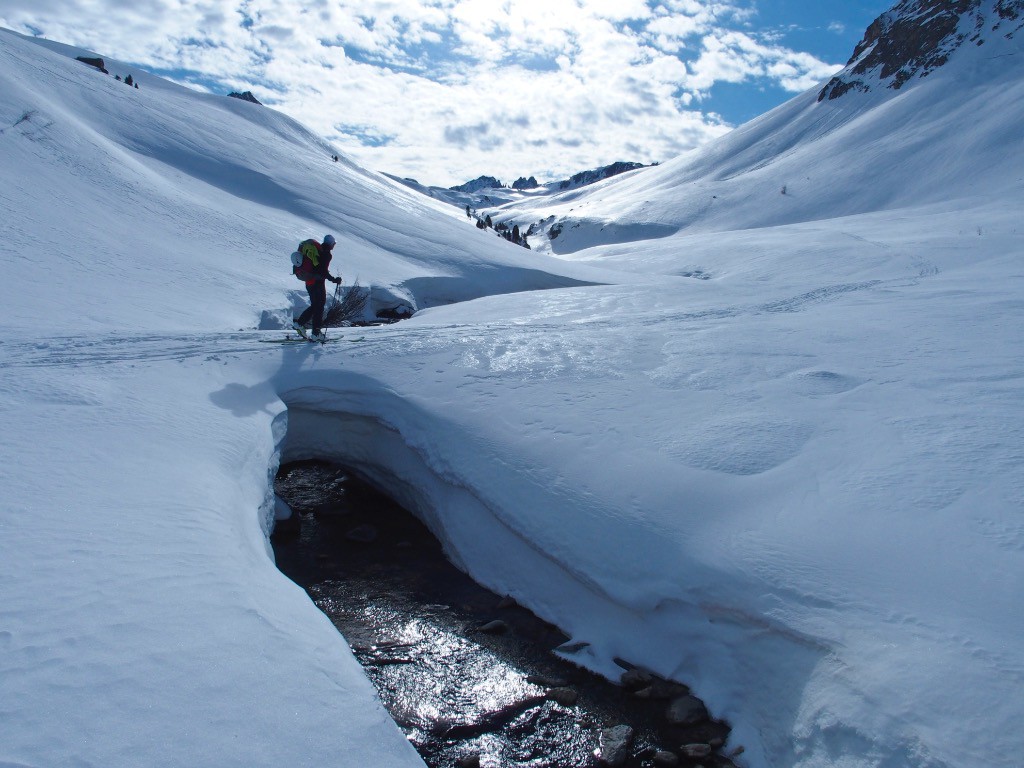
[(762, 441)]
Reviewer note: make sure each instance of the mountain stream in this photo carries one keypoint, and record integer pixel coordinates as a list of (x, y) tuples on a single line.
[(469, 676)]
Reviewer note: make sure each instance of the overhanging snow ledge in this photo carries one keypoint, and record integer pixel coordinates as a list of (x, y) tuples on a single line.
[(680, 639)]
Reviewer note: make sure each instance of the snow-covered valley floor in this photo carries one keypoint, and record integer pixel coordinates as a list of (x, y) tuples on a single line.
[(795, 485)]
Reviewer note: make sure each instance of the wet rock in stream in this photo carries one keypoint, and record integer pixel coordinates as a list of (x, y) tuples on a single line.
[(468, 675)]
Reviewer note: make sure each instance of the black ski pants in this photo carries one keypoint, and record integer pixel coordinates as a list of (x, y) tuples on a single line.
[(317, 301)]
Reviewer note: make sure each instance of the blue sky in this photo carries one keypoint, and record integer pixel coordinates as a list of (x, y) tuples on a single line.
[(446, 90), (827, 30)]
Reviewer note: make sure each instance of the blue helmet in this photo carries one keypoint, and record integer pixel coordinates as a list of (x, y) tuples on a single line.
[(329, 240)]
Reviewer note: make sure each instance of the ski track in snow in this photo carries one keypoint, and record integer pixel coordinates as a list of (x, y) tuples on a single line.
[(83, 351)]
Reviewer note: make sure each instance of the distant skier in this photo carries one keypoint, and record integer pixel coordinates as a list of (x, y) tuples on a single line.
[(315, 270)]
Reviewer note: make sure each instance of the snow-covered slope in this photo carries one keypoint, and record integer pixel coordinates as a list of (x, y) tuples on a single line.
[(230, 186), (940, 139), (776, 455)]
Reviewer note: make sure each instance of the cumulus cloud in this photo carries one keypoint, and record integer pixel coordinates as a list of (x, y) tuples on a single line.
[(443, 90), (735, 57)]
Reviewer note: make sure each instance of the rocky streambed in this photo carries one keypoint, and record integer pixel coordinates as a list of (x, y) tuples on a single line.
[(471, 677)]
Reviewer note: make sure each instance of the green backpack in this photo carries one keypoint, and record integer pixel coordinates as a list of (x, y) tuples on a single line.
[(306, 259)]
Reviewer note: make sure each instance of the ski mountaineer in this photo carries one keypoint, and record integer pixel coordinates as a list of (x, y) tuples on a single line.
[(316, 288)]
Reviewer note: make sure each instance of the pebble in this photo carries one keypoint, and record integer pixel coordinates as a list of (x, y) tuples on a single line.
[(634, 679), (662, 689), (664, 759), (615, 745), (495, 627), (686, 710), (567, 697), (697, 751)]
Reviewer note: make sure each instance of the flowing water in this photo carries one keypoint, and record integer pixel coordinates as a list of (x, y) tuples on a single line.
[(470, 677)]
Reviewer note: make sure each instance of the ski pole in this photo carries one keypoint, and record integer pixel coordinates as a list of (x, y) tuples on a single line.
[(334, 302)]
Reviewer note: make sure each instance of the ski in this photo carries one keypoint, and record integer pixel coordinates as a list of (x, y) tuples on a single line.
[(298, 339)]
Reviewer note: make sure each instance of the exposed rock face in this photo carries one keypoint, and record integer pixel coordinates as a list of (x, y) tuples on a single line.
[(589, 177), (917, 37), (481, 182), (98, 63), (245, 96), (578, 180)]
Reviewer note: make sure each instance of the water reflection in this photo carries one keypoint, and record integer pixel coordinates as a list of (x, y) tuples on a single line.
[(461, 691)]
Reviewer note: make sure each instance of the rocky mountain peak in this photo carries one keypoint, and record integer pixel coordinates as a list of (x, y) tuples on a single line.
[(525, 183), (245, 96), (915, 37), (477, 184), (597, 174)]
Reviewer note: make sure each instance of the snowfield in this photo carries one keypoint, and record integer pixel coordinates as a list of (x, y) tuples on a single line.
[(766, 444)]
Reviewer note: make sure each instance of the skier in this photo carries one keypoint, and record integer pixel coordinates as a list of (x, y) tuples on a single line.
[(316, 288)]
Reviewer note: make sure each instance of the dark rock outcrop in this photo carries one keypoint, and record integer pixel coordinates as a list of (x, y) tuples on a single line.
[(94, 62), (578, 180), (245, 96), (524, 183), (401, 312), (916, 37), (589, 177), (481, 182)]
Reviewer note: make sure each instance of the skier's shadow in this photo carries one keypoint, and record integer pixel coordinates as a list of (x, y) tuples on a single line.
[(243, 400), (247, 400)]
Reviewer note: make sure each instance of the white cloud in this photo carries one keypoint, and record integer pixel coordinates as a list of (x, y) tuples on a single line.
[(671, 32), (617, 10), (735, 57), (443, 90)]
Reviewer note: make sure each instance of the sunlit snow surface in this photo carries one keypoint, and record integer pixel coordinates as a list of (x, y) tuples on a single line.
[(776, 456)]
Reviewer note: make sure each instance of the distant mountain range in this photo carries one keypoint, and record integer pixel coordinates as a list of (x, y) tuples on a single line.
[(577, 180), (488, 191)]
